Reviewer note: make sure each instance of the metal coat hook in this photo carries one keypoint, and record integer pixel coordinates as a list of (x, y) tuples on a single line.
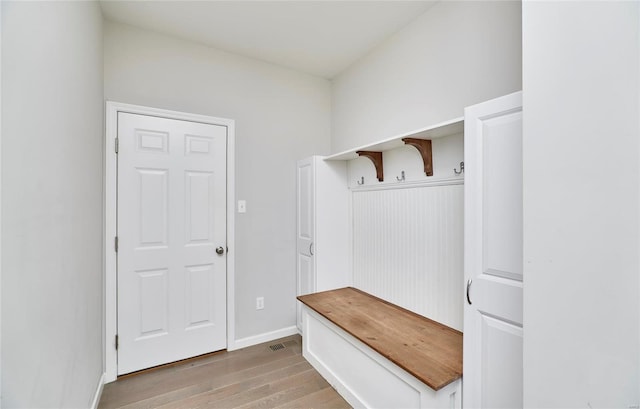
[(461, 171), (401, 178), (361, 181)]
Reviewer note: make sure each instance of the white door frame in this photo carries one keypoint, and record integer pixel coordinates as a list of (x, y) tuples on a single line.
[(110, 208)]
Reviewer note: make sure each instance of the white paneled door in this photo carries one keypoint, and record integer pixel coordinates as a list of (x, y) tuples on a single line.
[(305, 231), (171, 240), (493, 329)]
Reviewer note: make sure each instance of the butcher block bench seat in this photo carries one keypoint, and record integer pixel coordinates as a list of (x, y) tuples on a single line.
[(377, 354)]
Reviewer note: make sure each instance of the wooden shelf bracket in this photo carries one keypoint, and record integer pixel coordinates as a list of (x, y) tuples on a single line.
[(376, 158), (424, 147)]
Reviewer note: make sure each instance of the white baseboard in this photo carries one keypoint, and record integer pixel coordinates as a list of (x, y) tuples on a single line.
[(260, 338), (96, 397)]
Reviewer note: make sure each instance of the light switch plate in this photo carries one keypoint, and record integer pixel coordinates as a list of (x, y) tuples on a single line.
[(242, 206)]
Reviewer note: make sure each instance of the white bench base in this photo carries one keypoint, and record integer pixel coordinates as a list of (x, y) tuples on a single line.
[(363, 377)]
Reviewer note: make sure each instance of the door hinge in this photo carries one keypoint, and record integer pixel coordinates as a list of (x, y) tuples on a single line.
[(115, 244), (117, 342), (117, 145)]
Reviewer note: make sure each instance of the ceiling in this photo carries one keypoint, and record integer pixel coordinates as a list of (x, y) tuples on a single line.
[(322, 38)]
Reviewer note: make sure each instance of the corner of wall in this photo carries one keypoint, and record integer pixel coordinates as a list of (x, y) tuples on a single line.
[(99, 388), (1, 25), (420, 76)]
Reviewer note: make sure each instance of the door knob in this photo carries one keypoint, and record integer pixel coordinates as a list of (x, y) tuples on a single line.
[(220, 250), (468, 287)]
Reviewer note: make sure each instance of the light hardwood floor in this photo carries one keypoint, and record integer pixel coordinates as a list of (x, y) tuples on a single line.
[(254, 377)]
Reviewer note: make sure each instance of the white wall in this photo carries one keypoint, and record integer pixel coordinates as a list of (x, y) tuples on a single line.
[(581, 186), (0, 206), (51, 203), (281, 116), (407, 239), (408, 248), (454, 55)]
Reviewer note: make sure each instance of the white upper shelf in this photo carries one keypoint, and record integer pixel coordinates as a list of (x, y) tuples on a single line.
[(451, 127)]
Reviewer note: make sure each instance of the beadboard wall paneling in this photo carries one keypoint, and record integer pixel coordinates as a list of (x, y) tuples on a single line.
[(408, 248)]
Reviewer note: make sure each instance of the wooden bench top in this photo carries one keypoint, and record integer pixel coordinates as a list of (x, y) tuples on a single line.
[(428, 350)]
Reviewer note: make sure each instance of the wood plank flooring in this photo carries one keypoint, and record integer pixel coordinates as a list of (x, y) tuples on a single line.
[(254, 377)]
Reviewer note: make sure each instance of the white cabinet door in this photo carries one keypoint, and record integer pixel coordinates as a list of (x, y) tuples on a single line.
[(322, 232), (305, 231), (332, 246), (171, 219), (493, 254)]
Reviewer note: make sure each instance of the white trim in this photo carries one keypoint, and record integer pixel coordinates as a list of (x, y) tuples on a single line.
[(409, 185), (110, 304), (96, 397), (231, 236), (110, 206), (0, 203), (265, 337)]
